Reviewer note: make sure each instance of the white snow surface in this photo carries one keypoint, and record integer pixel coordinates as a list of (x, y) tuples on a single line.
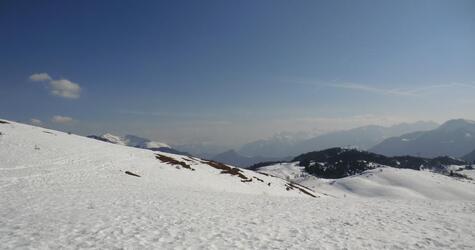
[(66, 191)]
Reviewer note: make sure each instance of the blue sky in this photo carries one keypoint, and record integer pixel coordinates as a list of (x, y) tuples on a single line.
[(229, 72)]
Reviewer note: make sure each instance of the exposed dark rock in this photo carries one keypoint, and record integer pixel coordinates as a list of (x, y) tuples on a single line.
[(130, 173), (291, 186), (173, 161), (226, 169)]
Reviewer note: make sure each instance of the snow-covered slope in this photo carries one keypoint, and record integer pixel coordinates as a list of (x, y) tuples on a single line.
[(28, 152), (392, 183), (382, 182), (61, 191)]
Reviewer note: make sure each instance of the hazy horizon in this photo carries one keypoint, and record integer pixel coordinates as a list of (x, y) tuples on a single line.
[(228, 73)]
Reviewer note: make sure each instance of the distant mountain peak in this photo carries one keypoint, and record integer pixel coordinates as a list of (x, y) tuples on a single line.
[(113, 138), (456, 124), (131, 140), (137, 141), (454, 137)]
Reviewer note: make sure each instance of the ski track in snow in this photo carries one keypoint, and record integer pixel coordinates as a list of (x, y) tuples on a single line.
[(73, 193)]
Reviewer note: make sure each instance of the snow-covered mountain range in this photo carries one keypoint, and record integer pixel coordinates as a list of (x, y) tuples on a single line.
[(454, 138), (288, 144)]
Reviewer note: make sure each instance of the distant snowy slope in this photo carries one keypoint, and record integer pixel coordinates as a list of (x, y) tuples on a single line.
[(382, 182), (392, 183)]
